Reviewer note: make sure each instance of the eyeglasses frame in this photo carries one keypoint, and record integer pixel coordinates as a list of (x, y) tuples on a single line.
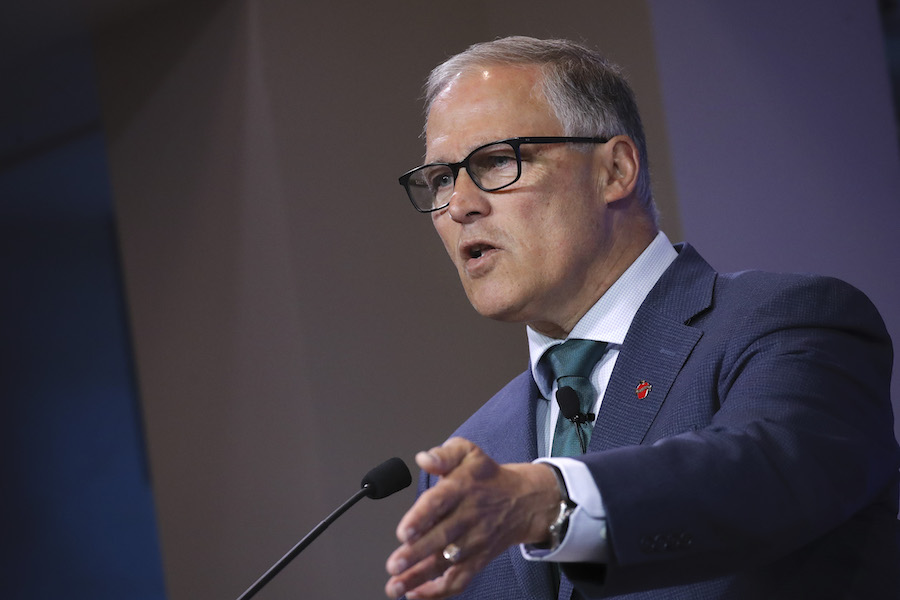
[(515, 142)]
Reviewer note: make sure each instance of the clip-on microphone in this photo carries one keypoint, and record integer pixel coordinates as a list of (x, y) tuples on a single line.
[(570, 406)]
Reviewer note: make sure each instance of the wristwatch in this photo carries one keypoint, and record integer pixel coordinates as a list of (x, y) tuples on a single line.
[(566, 507)]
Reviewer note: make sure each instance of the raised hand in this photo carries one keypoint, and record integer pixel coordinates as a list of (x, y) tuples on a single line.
[(478, 507)]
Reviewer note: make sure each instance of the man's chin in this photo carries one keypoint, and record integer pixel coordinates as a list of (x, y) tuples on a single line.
[(497, 309)]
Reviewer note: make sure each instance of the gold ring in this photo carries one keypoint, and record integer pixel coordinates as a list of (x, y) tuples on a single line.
[(452, 553)]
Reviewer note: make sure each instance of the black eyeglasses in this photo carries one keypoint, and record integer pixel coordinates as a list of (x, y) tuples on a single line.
[(491, 167)]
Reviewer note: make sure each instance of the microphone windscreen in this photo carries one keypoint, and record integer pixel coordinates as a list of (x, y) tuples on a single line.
[(390, 476), (567, 398)]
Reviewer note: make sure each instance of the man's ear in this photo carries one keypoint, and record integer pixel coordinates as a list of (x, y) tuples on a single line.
[(622, 165)]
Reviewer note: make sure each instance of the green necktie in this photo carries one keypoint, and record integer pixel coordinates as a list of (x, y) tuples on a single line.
[(571, 364)]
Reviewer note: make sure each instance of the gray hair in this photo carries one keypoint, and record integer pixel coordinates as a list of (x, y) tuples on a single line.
[(588, 93)]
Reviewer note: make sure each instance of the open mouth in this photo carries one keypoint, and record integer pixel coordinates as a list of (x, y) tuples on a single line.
[(479, 250)]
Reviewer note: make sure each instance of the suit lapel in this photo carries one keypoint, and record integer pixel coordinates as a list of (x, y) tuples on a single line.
[(655, 349)]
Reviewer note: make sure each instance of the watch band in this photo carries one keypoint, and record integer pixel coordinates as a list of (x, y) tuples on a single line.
[(566, 507)]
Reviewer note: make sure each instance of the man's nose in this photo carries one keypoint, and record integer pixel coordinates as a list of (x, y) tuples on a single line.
[(468, 201)]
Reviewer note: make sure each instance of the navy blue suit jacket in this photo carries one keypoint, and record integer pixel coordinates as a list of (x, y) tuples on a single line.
[(762, 463)]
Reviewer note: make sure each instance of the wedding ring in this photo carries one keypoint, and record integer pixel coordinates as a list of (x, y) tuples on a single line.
[(452, 553)]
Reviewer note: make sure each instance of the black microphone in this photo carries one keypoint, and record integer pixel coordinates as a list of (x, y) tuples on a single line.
[(569, 406), (385, 479), (390, 476)]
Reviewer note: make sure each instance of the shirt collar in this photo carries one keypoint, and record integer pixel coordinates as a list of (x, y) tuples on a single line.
[(611, 316)]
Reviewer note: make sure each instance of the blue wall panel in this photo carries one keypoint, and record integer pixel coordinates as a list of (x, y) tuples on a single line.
[(77, 507)]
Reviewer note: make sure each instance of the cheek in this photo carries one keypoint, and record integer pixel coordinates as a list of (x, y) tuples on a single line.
[(445, 233), (549, 229), (563, 245)]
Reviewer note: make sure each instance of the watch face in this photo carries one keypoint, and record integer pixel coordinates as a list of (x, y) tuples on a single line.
[(560, 525)]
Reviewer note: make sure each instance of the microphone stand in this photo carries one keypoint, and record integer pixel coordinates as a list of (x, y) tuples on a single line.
[(306, 541)]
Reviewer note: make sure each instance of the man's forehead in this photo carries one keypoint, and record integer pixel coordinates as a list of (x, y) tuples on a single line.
[(485, 104), (487, 74)]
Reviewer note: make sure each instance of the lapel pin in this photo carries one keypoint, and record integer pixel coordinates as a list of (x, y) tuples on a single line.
[(642, 390)]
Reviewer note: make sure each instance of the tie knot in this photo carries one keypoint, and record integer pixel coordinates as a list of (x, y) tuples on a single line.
[(574, 358)]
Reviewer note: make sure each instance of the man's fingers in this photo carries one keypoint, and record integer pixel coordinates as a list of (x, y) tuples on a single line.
[(435, 504), (415, 576), (452, 582), (478, 505), (413, 566), (435, 577), (432, 543), (428, 511), (441, 460)]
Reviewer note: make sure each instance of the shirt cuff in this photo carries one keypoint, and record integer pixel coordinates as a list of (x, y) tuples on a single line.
[(585, 539)]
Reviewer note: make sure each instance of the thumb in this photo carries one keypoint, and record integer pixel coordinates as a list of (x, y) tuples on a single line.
[(441, 460)]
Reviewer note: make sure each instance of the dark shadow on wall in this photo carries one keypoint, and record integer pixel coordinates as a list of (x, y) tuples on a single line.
[(890, 19)]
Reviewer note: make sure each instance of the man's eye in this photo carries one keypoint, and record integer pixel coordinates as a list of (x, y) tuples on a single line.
[(441, 180), (496, 162), (436, 178), (501, 162)]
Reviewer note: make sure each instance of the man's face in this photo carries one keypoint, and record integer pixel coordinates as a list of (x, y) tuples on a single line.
[(535, 252)]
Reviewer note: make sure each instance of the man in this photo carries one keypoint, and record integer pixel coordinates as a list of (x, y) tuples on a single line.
[(734, 438)]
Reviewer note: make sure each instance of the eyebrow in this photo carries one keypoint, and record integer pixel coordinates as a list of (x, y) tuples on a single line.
[(484, 142)]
